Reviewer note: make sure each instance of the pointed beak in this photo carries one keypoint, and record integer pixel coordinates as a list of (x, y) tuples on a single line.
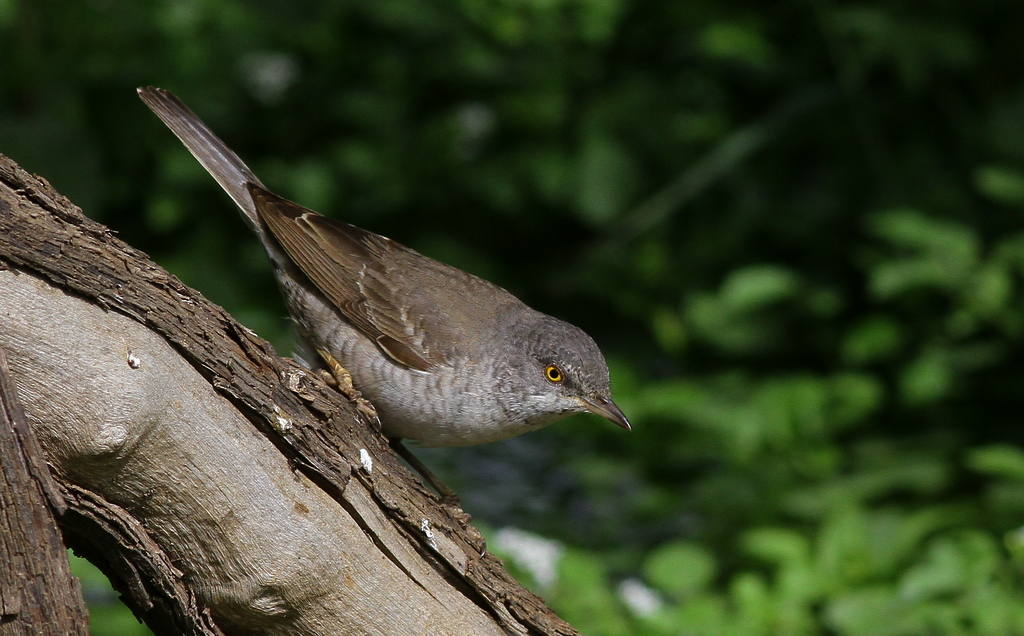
[(607, 409)]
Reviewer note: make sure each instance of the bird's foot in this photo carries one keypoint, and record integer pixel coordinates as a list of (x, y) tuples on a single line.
[(341, 379)]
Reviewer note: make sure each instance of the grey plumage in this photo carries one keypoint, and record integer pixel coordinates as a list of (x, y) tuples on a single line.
[(447, 358)]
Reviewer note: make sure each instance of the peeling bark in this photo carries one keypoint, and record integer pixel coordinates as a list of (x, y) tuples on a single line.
[(221, 487)]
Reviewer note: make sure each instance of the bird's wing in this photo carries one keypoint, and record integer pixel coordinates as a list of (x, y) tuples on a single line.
[(360, 273)]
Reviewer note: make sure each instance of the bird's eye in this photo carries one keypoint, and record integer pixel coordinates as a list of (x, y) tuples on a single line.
[(553, 373)]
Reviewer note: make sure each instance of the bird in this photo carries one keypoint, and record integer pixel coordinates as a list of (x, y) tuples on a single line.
[(445, 358)]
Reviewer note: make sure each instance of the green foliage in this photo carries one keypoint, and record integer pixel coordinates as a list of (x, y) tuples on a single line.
[(680, 568), (795, 229), (107, 616)]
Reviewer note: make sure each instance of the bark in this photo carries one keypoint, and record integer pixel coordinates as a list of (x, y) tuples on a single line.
[(38, 595), (221, 487)]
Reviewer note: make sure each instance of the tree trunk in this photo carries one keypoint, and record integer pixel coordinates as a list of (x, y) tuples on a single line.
[(220, 487), (38, 595)]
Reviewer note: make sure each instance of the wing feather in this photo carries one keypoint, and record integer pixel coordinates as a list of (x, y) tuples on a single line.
[(350, 266)]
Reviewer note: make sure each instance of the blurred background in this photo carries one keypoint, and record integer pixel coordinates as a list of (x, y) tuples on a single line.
[(795, 228)]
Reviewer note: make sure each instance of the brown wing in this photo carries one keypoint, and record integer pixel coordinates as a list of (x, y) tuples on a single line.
[(350, 266)]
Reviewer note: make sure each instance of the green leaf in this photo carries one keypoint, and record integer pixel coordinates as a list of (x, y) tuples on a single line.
[(739, 42), (998, 460), (584, 597), (926, 379), (965, 563), (705, 615), (778, 545), (756, 286), (991, 291), (680, 568), (853, 396), (871, 611), (1001, 184), (874, 339), (754, 608), (943, 255)]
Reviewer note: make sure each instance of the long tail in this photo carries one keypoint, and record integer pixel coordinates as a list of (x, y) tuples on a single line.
[(219, 160)]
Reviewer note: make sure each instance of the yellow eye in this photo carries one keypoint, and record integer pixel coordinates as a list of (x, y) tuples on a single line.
[(553, 373)]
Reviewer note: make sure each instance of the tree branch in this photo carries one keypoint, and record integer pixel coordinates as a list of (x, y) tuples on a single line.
[(227, 482)]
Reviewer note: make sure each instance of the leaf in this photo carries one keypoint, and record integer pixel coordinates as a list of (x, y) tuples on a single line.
[(680, 568), (926, 379), (998, 460), (942, 255), (874, 339), (754, 607), (1001, 184), (871, 611), (853, 396), (739, 42), (951, 565), (778, 545), (584, 597), (756, 286)]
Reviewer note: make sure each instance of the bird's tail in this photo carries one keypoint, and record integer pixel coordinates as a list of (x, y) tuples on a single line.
[(220, 161)]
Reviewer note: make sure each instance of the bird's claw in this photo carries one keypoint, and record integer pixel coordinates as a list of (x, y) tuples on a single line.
[(341, 379)]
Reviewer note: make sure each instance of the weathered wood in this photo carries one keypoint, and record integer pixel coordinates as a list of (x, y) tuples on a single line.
[(38, 595), (238, 467)]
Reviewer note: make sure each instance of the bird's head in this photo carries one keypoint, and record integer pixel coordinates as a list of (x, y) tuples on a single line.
[(559, 371)]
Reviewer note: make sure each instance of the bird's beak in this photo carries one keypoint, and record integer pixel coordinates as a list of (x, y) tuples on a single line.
[(607, 409)]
